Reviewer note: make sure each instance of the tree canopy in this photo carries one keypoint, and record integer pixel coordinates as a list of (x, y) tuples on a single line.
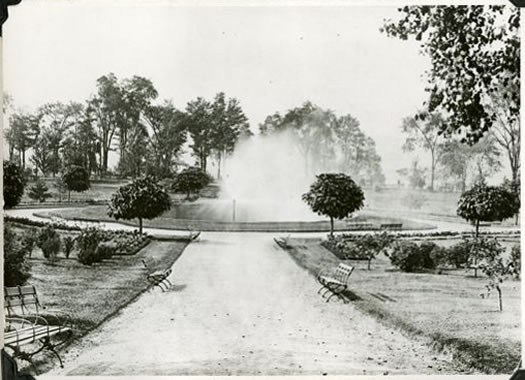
[(190, 180), (76, 178), (143, 198), (483, 203), (474, 50), (335, 195)]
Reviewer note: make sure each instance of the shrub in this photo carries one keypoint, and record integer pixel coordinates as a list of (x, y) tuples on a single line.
[(14, 183), (49, 242), (105, 250), (29, 240), (87, 243), (39, 192), (411, 257), (68, 243), (16, 266)]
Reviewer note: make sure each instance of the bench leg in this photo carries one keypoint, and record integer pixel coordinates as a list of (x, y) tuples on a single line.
[(28, 357), (337, 292), (51, 348)]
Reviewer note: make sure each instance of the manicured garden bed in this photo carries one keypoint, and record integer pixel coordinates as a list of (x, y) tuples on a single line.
[(172, 220), (445, 308)]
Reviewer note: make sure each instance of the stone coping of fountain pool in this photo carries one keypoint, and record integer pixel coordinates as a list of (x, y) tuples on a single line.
[(259, 226)]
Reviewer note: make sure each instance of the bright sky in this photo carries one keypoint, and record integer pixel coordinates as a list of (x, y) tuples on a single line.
[(270, 58)]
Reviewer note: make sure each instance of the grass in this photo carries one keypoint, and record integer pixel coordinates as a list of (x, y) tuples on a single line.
[(186, 217), (444, 308), (92, 294)]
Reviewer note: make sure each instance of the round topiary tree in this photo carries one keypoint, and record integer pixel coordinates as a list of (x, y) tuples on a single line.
[(14, 184), (143, 199), (484, 203), (335, 195), (76, 178), (190, 180)]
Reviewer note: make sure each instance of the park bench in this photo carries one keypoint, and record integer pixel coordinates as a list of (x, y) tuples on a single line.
[(158, 277), (391, 226), (335, 283), (29, 327)]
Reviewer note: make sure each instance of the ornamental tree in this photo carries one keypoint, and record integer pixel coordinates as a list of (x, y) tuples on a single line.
[(143, 198), (335, 195), (484, 203), (39, 192), (496, 268), (14, 183), (190, 180), (76, 178)]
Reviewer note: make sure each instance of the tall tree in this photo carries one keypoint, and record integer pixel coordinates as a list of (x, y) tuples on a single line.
[(22, 134), (423, 131), (105, 109), (459, 160), (166, 134), (473, 50), (229, 124), (198, 121)]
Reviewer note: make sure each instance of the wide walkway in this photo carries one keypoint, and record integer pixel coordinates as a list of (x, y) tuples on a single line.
[(241, 306)]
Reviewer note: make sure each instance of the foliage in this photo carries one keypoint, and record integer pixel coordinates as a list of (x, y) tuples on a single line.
[(495, 267), (39, 192), (471, 57), (21, 135), (215, 126), (14, 183), (29, 239), (459, 160), (334, 195), (190, 180), (366, 246), (16, 265), (143, 199), (76, 178), (105, 250), (87, 243), (487, 203), (68, 242), (48, 241), (424, 131), (411, 257), (326, 140)]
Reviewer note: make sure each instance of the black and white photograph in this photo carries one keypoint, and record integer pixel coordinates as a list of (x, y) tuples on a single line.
[(261, 189)]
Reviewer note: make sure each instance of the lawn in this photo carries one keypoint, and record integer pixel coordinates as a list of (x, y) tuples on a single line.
[(446, 308), (92, 294), (186, 216)]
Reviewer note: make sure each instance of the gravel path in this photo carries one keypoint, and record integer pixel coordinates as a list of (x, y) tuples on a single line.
[(241, 306)]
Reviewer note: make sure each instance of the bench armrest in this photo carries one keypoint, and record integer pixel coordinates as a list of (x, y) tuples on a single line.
[(12, 323), (324, 272)]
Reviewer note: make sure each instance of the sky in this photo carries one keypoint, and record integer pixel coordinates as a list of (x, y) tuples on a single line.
[(271, 58)]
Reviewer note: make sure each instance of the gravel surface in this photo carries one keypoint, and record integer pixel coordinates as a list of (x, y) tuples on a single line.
[(241, 306)]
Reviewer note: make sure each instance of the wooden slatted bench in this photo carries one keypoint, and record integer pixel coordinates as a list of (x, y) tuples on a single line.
[(335, 283), (28, 330), (158, 277), (391, 226)]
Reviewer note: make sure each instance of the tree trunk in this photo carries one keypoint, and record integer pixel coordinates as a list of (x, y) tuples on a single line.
[(369, 261), (477, 228), (219, 166), (140, 226), (500, 298), (23, 159), (432, 170), (331, 226), (69, 195)]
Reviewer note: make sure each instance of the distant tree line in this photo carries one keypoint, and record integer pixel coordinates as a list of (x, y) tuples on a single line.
[(329, 142), (125, 116)]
